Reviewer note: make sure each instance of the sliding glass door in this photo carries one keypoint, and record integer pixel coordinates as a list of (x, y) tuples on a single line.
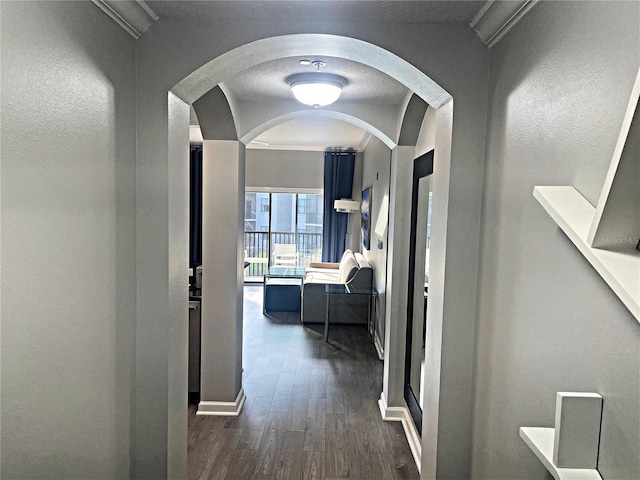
[(281, 219)]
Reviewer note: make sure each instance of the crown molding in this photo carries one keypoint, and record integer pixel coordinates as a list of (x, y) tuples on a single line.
[(134, 16), (496, 18)]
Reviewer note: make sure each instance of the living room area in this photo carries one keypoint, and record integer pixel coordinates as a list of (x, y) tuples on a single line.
[(283, 218), (282, 204), (304, 382), (329, 298)]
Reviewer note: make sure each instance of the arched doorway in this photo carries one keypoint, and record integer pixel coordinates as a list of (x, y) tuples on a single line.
[(458, 65), (215, 71), (326, 113)]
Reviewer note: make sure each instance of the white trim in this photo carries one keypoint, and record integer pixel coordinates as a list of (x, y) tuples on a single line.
[(481, 13), (322, 113), (195, 134), (495, 19), (366, 138), (379, 346), (148, 10), (308, 190), (223, 409), (299, 148), (134, 17), (401, 414), (389, 414), (116, 18)]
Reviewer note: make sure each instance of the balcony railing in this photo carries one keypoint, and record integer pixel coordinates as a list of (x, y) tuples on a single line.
[(258, 249)]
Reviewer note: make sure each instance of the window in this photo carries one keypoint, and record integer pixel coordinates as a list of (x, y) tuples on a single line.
[(289, 218), (304, 204), (249, 211)]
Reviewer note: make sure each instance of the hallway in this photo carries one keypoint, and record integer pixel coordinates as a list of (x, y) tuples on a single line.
[(311, 410)]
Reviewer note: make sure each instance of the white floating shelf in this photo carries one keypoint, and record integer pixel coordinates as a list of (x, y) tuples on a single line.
[(613, 223), (574, 215), (623, 169), (540, 441)]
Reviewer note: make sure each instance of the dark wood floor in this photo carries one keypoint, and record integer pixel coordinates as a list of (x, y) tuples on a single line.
[(311, 410)]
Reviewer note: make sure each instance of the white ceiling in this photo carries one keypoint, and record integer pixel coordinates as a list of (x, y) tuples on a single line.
[(448, 11), (312, 134), (266, 82), (308, 134)]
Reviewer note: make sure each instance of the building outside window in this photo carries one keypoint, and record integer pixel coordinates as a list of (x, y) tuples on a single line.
[(289, 218)]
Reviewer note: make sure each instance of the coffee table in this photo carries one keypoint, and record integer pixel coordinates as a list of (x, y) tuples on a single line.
[(281, 289)]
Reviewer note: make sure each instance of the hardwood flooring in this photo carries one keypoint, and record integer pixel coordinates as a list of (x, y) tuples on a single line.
[(311, 410)]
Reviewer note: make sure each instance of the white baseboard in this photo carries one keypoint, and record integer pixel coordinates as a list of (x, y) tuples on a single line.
[(227, 409), (379, 347), (401, 414)]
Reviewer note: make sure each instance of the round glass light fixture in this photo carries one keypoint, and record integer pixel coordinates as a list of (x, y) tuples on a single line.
[(316, 89)]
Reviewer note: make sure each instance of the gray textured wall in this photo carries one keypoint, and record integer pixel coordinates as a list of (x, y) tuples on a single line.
[(376, 174), (284, 168), (68, 241), (356, 194), (560, 81)]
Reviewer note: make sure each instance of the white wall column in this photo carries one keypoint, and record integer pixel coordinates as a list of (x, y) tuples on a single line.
[(397, 272), (222, 277), (178, 223)]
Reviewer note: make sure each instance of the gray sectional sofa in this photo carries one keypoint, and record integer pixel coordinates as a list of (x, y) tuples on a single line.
[(353, 269)]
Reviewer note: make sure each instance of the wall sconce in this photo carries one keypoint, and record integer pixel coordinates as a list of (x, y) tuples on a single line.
[(346, 205)]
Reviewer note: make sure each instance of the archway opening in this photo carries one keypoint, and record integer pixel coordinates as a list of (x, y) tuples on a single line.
[(214, 72)]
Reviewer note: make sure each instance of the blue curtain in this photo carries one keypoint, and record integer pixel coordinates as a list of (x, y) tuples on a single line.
[(338, 181)]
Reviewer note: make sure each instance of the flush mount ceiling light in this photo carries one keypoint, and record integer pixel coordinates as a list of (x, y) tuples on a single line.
[(316, 89)]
